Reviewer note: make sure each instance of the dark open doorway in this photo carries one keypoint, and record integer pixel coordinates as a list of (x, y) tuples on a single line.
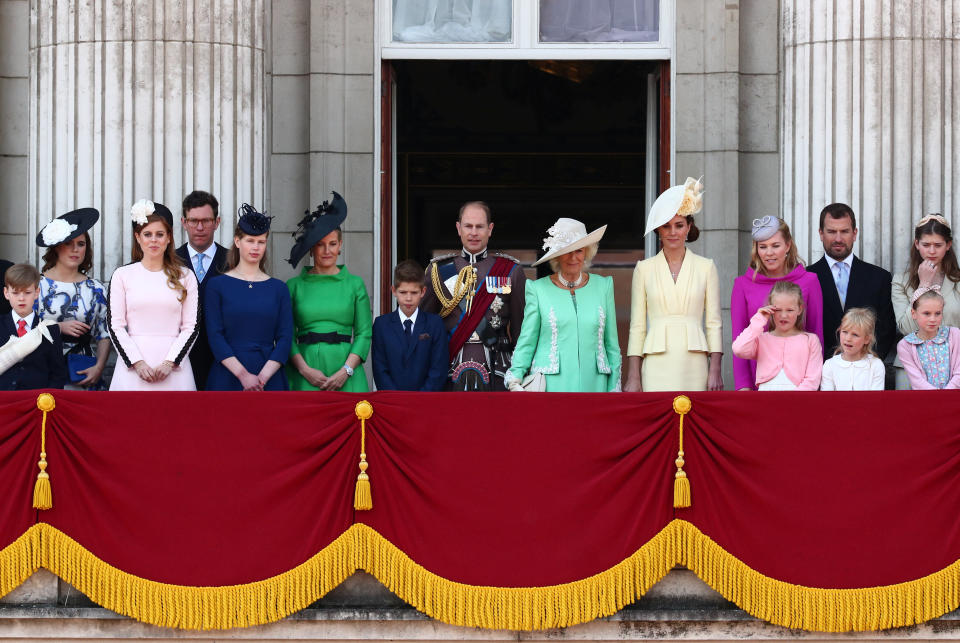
[(537, 140)]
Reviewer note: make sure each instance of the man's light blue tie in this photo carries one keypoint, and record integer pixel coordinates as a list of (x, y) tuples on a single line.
[(201, 271), (842, 279)]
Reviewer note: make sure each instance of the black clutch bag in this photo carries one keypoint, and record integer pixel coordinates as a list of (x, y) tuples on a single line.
[(77, 362)]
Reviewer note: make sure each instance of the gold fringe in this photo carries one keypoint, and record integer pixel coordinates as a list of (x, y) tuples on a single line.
[(19, 560), (520, 608), (198, 608), (816, 609)]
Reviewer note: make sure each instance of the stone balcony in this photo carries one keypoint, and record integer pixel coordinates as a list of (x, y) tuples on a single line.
[(680, 607)]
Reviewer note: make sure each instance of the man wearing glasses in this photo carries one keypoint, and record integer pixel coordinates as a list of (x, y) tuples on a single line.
[(201, 218)]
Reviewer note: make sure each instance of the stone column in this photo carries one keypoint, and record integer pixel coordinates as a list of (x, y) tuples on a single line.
[(14, 126), (706, 125), (870, 118), (134, 99)]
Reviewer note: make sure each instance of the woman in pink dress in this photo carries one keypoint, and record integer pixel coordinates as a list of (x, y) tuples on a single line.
[(153, 311)]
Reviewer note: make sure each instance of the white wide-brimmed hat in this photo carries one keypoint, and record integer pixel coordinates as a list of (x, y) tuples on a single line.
[(680, 199), (567, 235)]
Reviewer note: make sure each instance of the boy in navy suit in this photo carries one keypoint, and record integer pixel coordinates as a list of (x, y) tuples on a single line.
[(44, 366), (409, 344)]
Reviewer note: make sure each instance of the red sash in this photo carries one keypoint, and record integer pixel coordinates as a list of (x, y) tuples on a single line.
[(481, 302)]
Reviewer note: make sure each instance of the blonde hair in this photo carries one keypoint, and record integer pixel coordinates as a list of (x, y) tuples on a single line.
[(791, 261), (591, 252), (789, 288), (863, 320)]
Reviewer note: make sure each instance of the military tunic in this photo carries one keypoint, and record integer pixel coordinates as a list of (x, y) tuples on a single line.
[(484, 359)]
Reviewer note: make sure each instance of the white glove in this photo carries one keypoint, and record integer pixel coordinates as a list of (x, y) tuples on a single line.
[(17, 348)]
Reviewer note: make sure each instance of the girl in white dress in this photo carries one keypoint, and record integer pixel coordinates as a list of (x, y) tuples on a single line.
[(856, 366)]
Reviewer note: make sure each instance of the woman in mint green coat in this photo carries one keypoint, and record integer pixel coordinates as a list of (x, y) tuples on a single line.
[(569, 332)]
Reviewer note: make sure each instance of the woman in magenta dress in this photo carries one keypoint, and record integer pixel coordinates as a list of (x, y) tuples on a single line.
[(153, 309), (773, 258)]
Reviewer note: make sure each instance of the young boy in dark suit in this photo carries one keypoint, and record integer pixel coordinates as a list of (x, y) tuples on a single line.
[(44, 366), (409, 344)]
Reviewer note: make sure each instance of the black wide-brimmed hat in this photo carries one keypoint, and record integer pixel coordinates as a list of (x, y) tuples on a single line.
[(67, 227), (145, 207), (252, 222), (316, 225)]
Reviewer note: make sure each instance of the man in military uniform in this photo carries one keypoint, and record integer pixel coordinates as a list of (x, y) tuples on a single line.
[(480, 296)]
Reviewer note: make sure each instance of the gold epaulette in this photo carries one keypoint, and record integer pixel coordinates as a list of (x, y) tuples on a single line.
[(464, 286)]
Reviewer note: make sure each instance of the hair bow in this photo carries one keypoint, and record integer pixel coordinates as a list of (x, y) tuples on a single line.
[(922, 290)]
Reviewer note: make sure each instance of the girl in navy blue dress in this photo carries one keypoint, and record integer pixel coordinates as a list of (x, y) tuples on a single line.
[(249, 318)]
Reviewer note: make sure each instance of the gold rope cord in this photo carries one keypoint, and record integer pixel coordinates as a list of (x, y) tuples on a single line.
[(466, 282)]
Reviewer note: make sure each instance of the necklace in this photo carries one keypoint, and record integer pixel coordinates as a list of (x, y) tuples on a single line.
[(241, 277), (676, 274), (570, 284)]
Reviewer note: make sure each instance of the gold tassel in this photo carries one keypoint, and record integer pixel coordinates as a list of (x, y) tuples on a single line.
[(362, 498), (681, 483), (42, 493)]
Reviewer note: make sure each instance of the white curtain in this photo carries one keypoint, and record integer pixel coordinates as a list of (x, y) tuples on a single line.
[(599, 20), (452, 20)]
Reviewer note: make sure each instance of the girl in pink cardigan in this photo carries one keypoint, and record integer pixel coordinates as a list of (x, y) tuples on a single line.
[(931, 354), (788, 359), (773, 258)]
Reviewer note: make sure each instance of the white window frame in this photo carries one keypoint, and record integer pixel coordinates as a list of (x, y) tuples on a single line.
[(525, 41), (525, 45)]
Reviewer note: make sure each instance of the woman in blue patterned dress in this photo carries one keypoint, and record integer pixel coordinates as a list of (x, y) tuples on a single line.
[(68, 295)]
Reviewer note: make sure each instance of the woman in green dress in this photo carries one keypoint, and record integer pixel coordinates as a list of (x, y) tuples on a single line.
[(569, 331), (332, 319)]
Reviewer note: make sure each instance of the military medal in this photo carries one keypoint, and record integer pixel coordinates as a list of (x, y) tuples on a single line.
[(498, 285)]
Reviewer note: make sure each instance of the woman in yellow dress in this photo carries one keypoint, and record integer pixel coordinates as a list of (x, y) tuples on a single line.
[(675, 310)]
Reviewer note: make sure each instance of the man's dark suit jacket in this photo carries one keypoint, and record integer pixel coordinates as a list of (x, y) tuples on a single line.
[(869, 287), (4, 304), (201, 359), (43, 368), (419, 363)]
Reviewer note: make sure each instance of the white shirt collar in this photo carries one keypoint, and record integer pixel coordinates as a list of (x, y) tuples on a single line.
[(832, 262), (210, 253), (412, 317), (28, 319)]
